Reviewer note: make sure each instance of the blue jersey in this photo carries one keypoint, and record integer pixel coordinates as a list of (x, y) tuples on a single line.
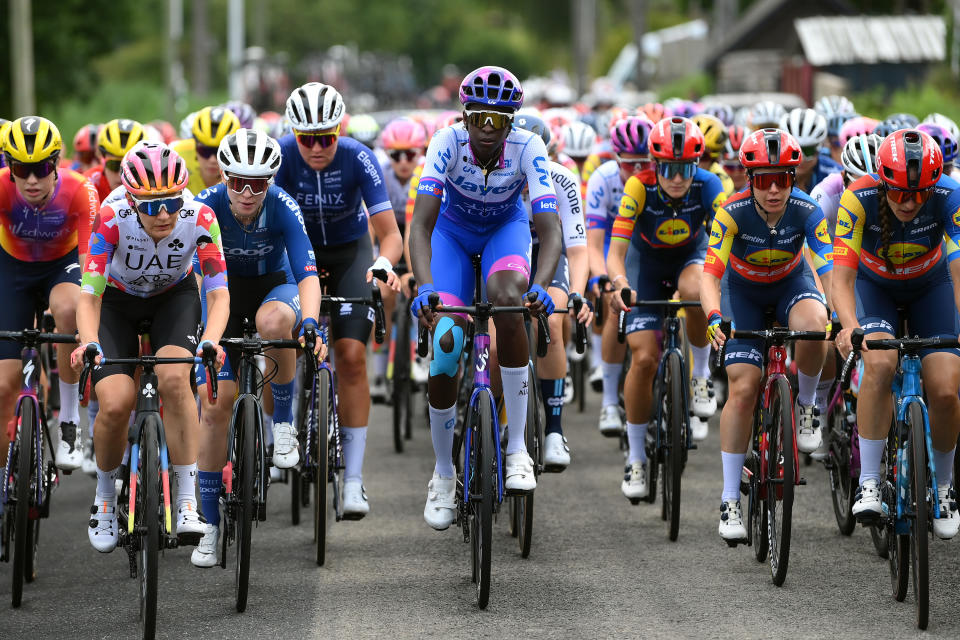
[(825, 167), (276, 241), (332, 200)]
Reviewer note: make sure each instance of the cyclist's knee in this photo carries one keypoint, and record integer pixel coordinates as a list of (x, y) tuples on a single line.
[(506, 288), (447, 345), (174, 382), (275, 324), (643, 360), (744, 386), (878, 368), (350, 356), (114, 410)]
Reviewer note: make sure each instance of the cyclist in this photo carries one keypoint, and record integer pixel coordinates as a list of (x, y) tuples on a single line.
[(730, 158), (659, 237), (208, 128), (766, 114), (578, 141), (139, 268), (890, 251), (113, 141), (364, 128), (328, 176), (468, 202), (809, 129), (263, 239), (714, 139), (85, 148), (760, 234), (948, 145), (45, 216), (604, 192), (246, 114)]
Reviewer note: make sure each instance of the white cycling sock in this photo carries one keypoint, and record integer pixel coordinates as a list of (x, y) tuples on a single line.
[(268, 428), (596, 344), (69, 402), (871, 452), (611, 383), (442, 422), (93, 408), (732, 471), (637, 437), (701, 361), (186, 475), (943, 465), (807, 388), (105, 483), (823, 395), (516, 387), (380, 360), (354, 444)]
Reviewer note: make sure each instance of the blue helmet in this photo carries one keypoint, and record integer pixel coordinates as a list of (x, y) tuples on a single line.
[(491, 86)]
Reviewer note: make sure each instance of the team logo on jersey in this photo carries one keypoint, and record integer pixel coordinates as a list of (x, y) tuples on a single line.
[(844, 223), (717, 231), (823, 235), (673, 231), (956, 218), (769, 257), (628, 210), (903, 252)]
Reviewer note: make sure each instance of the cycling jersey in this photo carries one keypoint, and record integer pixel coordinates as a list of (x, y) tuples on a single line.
[(827, 194), (412, 190), (717, 169), (659, 225), (758, 253), (567, 188), (123, 256), (397, 192), (97, 178), (332, 200), (187, 149), (825, 166), (916, 247), (604, 190), (602, 153), (43, 234)]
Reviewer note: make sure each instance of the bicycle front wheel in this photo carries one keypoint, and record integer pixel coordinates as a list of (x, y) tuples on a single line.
[(842, 491), (780, 477), (898, 544), (481, 492), (147, 523), (319, 413), (534, 441), (24, 453), (920, 522), (245, 465), (675, 445)]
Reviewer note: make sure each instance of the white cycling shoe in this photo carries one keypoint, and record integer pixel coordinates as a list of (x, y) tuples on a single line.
[(286, 452), (809, 435), (868, 505), (102, 528), (355, 504), (698, 429), (703, 399), (441, 508), (70, 448), (731, 521), (611, 421), (190, 528), (556, 453), (634, 485), (596, 378), (946, 526), (205, 553), (518, 473)]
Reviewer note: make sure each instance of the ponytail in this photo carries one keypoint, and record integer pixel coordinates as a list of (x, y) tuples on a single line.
[(883, 211)]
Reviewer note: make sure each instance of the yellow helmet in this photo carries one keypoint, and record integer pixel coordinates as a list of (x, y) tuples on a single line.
[(213, 124), (31, 139), (714, 132), (4, 125), (118, 136)]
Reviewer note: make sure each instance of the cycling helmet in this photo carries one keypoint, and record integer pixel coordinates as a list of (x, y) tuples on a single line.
[(4, 125), (534, 125), (86, 138), (578, 139), (364, 128), (722, 112), (244, 112), (906, 118), (859, 156), (714, 132), (943, 137), (654, 111), (281, 127), (118, 136), (769, 148), (832, 105), (403, 133), (687, 109), (151, 169), (861, 125), (676, 138), (944, 121), (766, 114), (836, 121), (491, 86), (213, 124), (32, 139), (448, 119), (909, 159), (888, 126), (735, 137), (742, 116), (806, 125), (557, 117), (167, 132), (186, 125), (315, 106), (631, 135), (249, 153)]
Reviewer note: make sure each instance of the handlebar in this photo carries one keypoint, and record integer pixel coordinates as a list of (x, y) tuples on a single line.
[(580, 330), (36, 337), (856, 338), (604, 282), (777, 335), (627, 297), (375, 300)]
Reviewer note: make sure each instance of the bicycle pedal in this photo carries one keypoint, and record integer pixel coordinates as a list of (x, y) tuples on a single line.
[(635, 501), (261, 512), (517, 492), (802, 481), (183, 540)]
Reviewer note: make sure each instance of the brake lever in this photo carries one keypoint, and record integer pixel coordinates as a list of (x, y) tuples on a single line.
[(379, 328), (725, 325), (210, 364), (89, 361), (580, 333), (856, 338)]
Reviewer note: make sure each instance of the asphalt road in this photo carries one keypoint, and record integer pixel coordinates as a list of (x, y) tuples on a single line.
[(600, 567)]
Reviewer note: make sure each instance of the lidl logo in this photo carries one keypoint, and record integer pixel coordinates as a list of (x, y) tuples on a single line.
[(821, 232), (673, 231), (904, 252), (769, 257), (844, 222)]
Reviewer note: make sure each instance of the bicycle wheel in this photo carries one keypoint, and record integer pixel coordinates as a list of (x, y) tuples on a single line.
[(898, 544), (481, 495), (244, 489), (780, 475), (757, 512), (579, 374), (296, 490), (675, 445), (24, 453), (402, 387), (534, 440), (920, 522), (842, 490), (319, 413), (147, 523)]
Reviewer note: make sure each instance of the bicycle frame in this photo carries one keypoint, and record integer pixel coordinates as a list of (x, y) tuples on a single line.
[(671, 344), (30, 359), (148, 402), (838, 397), (775, 369), (481, 381)]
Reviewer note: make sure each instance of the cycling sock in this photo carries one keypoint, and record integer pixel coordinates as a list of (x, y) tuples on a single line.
[(943, 466), (106, 487), (596, 344), (515, 395), (126, 455), (92, 410), (732, 470), (268, 429), (69, 402), (442, 422), (354, 443), (701, 361), (611, 383), (210, 482), (381, 356), (186, 475), (282, 401), (552, 392), (807, 388), (871, 452), (823, 395), (637, 437)]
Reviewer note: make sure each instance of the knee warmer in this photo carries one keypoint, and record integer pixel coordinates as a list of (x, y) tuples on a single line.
[(446, 362)]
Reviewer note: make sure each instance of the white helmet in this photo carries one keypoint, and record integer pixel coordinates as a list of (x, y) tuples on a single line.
[(806, 125), (833, 105), (945, 122), (186, 126), (249, 153), (859, 155), (578, 139), (766, 114), (315, 106)]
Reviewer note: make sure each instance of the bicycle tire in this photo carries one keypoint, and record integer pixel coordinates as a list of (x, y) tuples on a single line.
[(296, 491), (758, 515), (21, 515), (400, 409), (676, 444), (579, 375), (780, 477), (245, 466), (842, 491), (318, 415), (920, 522), (485, 475), (147, 521), (402, 386), (898, 545), (534, 440)]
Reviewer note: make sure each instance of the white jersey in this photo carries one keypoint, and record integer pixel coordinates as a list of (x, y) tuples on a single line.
[(604, 190), (567, 187), (827, 194)]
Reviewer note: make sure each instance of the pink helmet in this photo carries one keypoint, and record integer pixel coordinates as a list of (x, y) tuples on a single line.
[(153, 169), (403, 133), (630, 135), (859, 126)]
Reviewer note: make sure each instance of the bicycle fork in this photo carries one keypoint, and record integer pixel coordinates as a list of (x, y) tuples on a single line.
[(164, 474)]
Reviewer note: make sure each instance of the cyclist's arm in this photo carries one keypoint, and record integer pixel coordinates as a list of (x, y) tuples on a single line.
[(846, 258), (616, 267), (722, 232), (595, 202), (213, 267), (87, 204), (543, 204), (381, 217), (93, 279), (300, 255), (821, 248)]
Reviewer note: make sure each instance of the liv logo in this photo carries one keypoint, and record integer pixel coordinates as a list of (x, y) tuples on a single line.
[(482, 358)]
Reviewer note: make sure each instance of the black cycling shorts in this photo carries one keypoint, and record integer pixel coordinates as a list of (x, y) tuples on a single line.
[(346, 268), (175, 316)]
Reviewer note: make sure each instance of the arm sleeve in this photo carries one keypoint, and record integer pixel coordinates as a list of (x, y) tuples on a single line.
[(103, 242), (303, 262), (819, 242), (568, 206), (632, 202), (536, 167), (87, 204), (440, 154), (848, 236), (213, 266), (372, 184), (722, 234)]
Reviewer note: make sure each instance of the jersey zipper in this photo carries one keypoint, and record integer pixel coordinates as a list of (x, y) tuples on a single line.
[(323, 226)]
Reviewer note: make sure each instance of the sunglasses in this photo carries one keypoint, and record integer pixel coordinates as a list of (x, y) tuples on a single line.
[(736, 167), (410, 154), (325, 140), (152, 207), (206, 152), (40, 169), (495, 119), (670, 170), (901, 196), (113, 164), (237, 184), (763, 181), (635, 166), (809, 152)]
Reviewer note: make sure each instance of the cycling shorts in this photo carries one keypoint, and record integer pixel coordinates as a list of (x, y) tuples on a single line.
[(561, 277), (505, 248), (175, 316), (343, 271), (28, 285), (654, 274), (745, 304), (930, 308)]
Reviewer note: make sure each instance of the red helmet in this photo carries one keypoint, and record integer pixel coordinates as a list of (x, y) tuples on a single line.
[(770, 148), (86, 138), (654, 111), (909, 159), (676, 138)]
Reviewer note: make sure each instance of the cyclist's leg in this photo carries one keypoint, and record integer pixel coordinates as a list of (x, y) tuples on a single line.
[(688, 284), (552, 369), (381, 352), (276, 320)]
